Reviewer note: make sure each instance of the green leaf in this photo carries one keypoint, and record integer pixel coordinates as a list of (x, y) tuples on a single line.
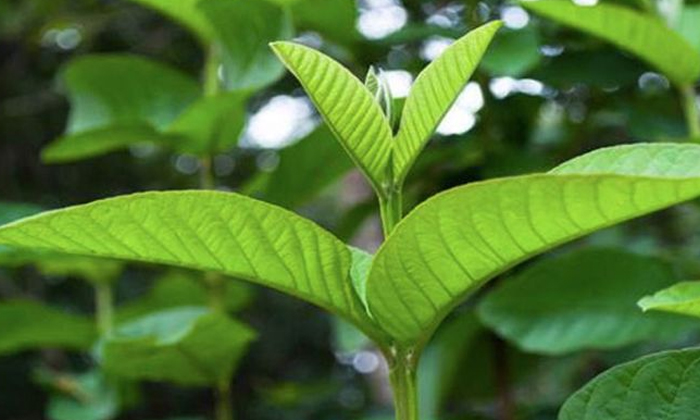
[(682, 298), (688, 25), (346, 105), (178, 288), (513, 53), (211, 125), (305, 168), (660, 386), (94, 270), (112, 89), (189, 346), (332, 19), (583, 300), (454, 242), (184, 12), (433, 93), (9, 212), (97, 142), (243, 30), (91, 397), (645, 36), (210, 231), (27, 325)]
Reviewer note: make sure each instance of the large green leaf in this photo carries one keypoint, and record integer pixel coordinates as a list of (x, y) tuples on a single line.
[(584, 300), (347, 107), (682, 298), (688, 25), (454, 242), (513, 53), (645, 36), (244, 29), (26, 325), (191, 346), (333, 19), (434, 92), (184, 12), (205, 230), (661, 386)]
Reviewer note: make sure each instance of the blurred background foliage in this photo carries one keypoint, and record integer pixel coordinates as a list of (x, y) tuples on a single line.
[(96, 97)]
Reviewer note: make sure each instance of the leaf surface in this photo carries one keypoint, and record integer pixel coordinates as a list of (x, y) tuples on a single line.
[(243, 30), (190, 346), (184, 12), (346, 105), (662, 386), (435, 90), (210, 231), (454, 242), (682, 298), (28, 325), (583, 300), (645, 36)]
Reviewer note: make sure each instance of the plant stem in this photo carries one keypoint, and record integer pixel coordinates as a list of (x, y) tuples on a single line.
[(390, 209), (506, 405), (206, 179), (224, 407), (690, 108), (104, 308), (402, 375)]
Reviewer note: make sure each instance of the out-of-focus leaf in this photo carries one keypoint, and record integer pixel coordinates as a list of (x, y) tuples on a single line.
[(212, 124), (584, 300), (682, 298), (688, 25), (436, 88), (346, 105), (26, 325), (185, 12), (189, 346), (305, 169), (114, 90), (89, 396), (94, 270), (453, 243), (244, 29), (99, 141), (660, 386), (600, 68), (513, 53), (645, 36), (179, 288), (212, 231), (334, 19)]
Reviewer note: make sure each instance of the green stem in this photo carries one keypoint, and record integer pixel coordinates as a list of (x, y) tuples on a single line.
[(391, 211), (206, 179), (224, 407), (212, 84), (104, 310), (402, 375), (690, 108)]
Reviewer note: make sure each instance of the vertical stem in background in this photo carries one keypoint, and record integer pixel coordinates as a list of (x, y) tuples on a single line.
[(402, 375), (506, 405), (104, 307), (224, 407), (690, 108)]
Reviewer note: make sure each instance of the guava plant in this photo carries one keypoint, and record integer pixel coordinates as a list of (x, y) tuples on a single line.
[(431, 260)]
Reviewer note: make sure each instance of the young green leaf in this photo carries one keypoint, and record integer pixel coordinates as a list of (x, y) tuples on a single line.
[(682, 298), (434, 91), (660, 386), (456, 241), (188, 346), (27, 325), (645, 36), (583, 300), (243, 29), (89, 396), (346, 105), (205, 230)]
